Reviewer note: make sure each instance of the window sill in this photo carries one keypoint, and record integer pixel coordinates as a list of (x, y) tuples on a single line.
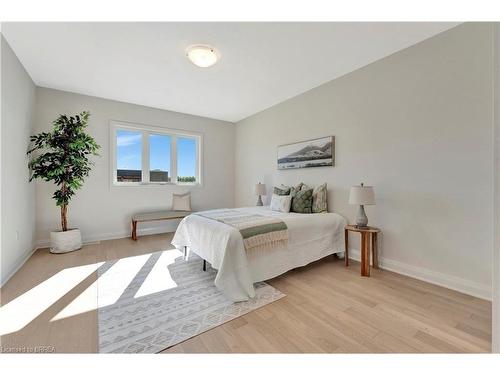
[(139, 184)]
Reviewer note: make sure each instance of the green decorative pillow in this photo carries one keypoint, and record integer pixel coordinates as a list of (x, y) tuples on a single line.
[(282, 190), (285, 190), (302, 201), (293, 191), (319, 202), (298, 187)]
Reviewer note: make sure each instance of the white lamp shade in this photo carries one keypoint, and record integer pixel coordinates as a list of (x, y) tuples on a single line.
[(362, 195), (260, 189)]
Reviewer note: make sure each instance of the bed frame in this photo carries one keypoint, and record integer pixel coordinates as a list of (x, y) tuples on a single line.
[(204, 261)]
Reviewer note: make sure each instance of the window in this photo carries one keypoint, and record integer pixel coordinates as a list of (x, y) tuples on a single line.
[(186, 159), (144, 155), (159, 157), (128, 156)]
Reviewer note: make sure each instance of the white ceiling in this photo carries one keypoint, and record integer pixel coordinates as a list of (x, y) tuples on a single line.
[(261, 64)]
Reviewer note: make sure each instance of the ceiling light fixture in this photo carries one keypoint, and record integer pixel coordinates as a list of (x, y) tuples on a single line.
[(202, 56)]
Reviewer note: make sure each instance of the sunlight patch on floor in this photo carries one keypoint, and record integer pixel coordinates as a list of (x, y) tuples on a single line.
[(159, 279), (107, 289), (19, 312)]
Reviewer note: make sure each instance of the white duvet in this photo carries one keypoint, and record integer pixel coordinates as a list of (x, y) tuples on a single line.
[(311, 237)]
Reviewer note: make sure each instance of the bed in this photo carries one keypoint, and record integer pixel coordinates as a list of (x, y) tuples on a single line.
[(310, 237)]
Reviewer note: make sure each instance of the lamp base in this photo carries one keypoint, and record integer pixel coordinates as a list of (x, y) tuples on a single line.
[(361, 218), (259, 201)]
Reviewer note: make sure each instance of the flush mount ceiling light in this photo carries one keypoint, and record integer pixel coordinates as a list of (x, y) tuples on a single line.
[(202, 56)]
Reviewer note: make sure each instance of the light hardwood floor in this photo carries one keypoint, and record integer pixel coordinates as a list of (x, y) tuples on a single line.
[(328, 308)]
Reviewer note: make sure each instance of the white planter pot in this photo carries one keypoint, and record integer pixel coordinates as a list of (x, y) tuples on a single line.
[(64, 242)]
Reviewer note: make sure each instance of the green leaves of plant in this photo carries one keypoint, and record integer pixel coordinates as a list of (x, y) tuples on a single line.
[(62, 156)]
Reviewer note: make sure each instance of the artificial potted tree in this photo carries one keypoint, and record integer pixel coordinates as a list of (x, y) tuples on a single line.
[(62, 156)]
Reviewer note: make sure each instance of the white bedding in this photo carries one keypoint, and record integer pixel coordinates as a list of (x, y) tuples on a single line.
[(311, 237)]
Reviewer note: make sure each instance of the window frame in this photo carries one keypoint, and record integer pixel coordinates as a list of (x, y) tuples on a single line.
[(146, 130)]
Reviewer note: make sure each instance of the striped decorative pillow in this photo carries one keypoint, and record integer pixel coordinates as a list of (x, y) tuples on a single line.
[(319, 203), (282, 190)]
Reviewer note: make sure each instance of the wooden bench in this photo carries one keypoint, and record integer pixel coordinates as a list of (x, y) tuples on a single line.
[(156, 216)]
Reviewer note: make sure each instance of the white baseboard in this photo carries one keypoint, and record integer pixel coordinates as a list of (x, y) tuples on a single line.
[(18, 267), (448, 281), (89, 239)]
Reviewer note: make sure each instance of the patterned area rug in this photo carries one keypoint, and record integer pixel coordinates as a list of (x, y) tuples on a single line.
[(150, 302)]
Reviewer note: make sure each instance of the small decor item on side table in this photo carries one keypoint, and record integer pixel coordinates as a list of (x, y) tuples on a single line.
[(260, 189), (362, 195), (368, 244), (63, 156)]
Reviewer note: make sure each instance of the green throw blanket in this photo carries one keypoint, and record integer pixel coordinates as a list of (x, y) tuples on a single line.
[(258, 231)]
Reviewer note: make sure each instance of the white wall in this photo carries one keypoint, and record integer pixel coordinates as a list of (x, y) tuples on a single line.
[(417, 126), (17, 195), (496, 192), (104, 211)]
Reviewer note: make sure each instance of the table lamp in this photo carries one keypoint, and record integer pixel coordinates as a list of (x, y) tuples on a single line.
[(260, 189), (361, 195)]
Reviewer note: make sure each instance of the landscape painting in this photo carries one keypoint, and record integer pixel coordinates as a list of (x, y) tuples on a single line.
[(313, 153)]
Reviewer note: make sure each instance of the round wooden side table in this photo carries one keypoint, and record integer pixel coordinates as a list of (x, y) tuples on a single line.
[(368, 244)]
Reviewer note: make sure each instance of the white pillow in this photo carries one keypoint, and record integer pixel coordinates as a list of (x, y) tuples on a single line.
[(281, 203), (181, 202)]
